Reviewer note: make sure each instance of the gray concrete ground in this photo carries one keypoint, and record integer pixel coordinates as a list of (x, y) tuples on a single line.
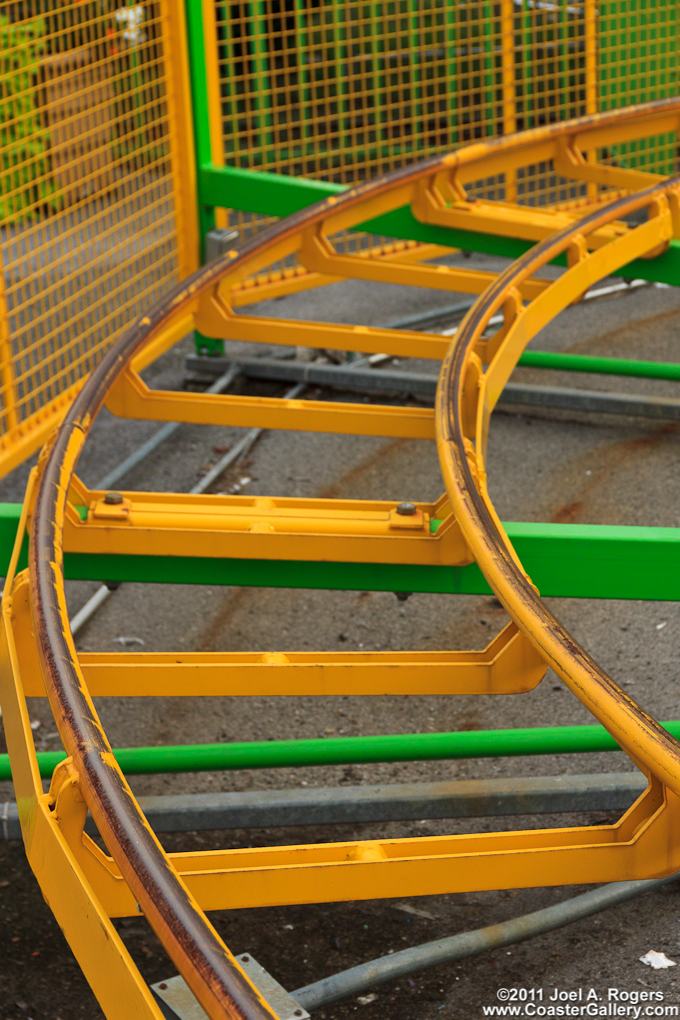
[(542, 467)]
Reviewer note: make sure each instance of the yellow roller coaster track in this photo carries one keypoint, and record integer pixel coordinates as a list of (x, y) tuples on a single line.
[(87, 887)]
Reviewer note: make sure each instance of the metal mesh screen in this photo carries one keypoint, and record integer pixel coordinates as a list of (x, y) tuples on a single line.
[(97, 208), (550, 62), (90, 195), (344, 91), (638, 62)]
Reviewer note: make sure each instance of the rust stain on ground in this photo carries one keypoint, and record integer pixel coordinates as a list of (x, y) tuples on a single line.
[(212, 639), (338, 490), (612, 336), (610, 458), (567, 514), (469, 720), (650, 441)]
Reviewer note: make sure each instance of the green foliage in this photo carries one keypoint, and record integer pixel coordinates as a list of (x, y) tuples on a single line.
[(24, 160)]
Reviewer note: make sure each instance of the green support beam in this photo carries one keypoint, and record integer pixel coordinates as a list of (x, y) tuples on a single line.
[(279, 195), (600, 366), (10, 515), (567, 560), (260, 192), (277, 754)]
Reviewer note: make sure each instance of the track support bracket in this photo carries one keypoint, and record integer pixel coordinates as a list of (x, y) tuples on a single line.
[(177, 997)]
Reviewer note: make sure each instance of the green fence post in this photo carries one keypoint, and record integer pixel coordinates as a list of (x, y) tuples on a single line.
[(199, 105), (202, 148)]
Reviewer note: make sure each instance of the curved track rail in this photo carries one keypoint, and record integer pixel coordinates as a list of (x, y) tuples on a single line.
[(87, 887), (466, 396)]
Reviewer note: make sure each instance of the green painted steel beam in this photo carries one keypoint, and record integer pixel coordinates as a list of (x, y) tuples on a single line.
[(595, 561), (276, 573), (600, 366), (195, 40), (260, 192), (567, 560), (10, 515), (279, 195), (276, 754), (199, 82)]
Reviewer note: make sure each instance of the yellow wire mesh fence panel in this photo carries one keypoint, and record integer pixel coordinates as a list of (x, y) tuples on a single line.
[(344, 91), (639, 60), (96, 211)]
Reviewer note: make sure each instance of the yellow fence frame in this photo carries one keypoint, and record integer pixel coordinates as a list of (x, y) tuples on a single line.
[(97, 197)]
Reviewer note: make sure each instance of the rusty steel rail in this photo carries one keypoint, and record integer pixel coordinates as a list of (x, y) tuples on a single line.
[(595, 246), (210, 970), (208, 967)]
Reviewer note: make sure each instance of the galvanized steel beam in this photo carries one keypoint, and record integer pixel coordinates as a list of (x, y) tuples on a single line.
[(424, 386), (394, 802)]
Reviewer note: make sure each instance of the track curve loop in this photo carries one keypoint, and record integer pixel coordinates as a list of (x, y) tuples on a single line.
[(434, 192), (466, 396)]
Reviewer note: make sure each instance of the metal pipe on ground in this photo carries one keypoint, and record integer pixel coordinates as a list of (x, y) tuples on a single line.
[(239, 451), (459, 947), (394, 966), (91, 606), (459, 309), (393, 802), (423, 385), (226, 378)]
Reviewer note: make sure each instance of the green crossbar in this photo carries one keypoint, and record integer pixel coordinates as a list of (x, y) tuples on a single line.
[(276, 754), (600, 366), (567, 560)]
